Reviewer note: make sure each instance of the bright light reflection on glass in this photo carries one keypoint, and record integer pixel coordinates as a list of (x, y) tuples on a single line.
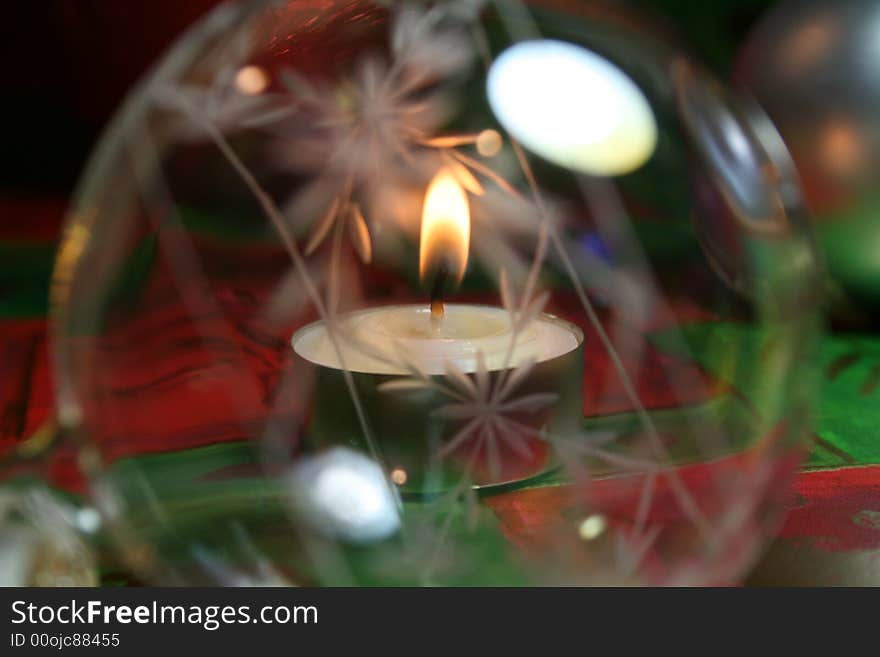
[(592, 527), (344, 494), (572, 107)]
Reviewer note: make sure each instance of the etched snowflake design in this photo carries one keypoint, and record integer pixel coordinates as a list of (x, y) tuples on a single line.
[(372, 138), (492, 415), (368, 143), (489, 410)]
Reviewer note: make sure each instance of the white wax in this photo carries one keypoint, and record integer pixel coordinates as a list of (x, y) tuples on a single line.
[(462, 333)]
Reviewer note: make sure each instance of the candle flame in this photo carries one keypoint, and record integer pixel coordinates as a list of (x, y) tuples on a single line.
[(446, 227)]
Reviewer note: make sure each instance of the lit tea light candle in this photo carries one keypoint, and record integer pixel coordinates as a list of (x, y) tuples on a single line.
[(377, 344), (432, 336)]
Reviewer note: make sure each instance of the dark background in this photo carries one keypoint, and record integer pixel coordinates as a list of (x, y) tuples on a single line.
[(69, 63)]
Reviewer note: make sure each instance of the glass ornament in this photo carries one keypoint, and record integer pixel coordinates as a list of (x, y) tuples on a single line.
[(43, 540), (341, 302), (812, 66)]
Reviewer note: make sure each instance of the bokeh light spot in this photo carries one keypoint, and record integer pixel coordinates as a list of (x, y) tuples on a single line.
[(251, 80), (572, 107), (489, 143), (592, 527)]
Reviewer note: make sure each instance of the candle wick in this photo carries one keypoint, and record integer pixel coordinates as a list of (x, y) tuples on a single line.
[(437, 306), (437, 309)]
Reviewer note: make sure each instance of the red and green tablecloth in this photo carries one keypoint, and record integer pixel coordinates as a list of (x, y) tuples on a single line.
[(832, 531)]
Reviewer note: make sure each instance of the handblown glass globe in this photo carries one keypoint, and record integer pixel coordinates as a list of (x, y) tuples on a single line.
[(441, 293)]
